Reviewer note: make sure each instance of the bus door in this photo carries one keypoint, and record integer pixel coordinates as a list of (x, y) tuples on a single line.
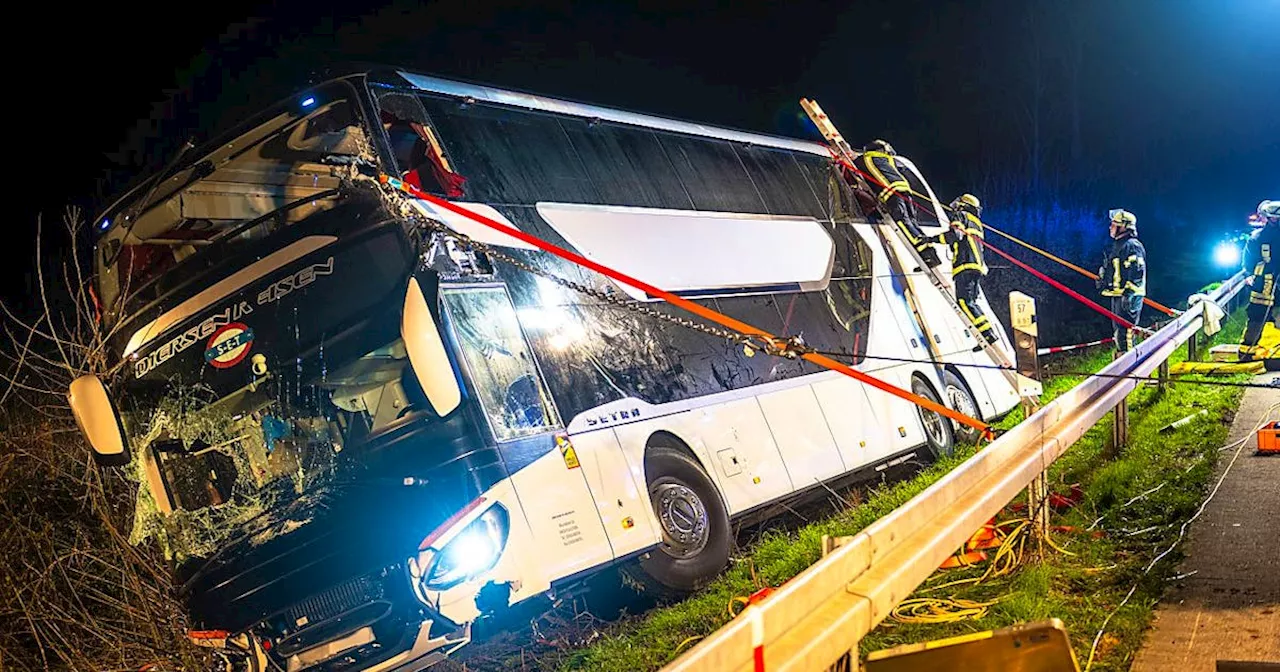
[(567, 533)]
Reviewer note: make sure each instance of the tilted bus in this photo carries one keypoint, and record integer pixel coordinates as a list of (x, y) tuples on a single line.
[(357, 435)]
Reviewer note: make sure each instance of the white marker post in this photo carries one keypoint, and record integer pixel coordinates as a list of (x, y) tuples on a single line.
[(1022, 317)]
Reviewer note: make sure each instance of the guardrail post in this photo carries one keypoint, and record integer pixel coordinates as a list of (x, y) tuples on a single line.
[(1163, 377), (1119, 429), (1193, 352)]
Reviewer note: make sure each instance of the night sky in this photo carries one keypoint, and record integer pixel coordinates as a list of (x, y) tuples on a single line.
[(1168, 107)]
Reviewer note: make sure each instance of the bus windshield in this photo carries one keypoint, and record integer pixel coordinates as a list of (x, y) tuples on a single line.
[(213, 464), (276, 175)]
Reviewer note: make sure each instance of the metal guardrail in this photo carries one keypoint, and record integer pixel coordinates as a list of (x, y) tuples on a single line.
[(815, 618)]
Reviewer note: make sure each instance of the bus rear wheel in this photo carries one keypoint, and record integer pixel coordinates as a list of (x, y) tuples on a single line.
[(696, 537), (961, 399), (937, 429)]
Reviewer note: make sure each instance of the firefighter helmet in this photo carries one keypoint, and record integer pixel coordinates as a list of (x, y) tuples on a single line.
[(1121, 220), (1270, 210), (969, 203), (879, 146)]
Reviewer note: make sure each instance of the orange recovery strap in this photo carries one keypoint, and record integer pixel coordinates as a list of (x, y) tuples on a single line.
[(769, 341), (1086, 273)]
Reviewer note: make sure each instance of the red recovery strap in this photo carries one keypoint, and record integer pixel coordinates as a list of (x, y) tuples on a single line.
[(680, 302), (1054, 283), (1070, 292)]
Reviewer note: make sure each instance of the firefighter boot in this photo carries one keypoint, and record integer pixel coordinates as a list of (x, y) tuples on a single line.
[(930, 257)]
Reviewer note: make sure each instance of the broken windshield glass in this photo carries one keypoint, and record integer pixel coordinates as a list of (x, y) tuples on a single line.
[(209, 466), (276, 175)]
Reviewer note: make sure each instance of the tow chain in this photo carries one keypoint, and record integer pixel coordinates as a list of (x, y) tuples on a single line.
[(792, 347)]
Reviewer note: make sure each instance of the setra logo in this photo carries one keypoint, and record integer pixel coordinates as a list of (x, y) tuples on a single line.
[(229, 345)]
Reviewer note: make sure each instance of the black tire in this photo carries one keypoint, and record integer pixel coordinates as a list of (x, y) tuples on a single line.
[(939, 439), (960, 398), (697, 538)]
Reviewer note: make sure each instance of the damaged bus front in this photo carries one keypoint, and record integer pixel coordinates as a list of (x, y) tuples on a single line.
[(283, 395)]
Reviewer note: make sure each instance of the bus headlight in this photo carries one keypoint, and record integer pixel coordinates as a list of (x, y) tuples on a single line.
[(474, 551)]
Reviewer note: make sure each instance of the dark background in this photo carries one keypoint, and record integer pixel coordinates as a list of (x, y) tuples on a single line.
[(1052, 112)]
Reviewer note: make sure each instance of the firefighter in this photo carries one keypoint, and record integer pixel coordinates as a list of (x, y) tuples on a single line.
[(879, 162), (1260, 260), (967, 268), (1123, 275)]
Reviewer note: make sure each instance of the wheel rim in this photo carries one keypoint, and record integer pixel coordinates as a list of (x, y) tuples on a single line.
[(934, 429), (683, 517), (934, 424), (961, 402)]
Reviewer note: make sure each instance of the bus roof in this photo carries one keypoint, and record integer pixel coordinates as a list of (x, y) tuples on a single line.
[(531, 101), (489, 94)]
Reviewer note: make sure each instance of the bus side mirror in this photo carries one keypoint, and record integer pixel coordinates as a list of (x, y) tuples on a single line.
[(426, 351), (99, 421)]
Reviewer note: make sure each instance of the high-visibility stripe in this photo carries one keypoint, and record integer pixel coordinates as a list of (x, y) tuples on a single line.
[(911, 237), (890, 191), (685, 304)]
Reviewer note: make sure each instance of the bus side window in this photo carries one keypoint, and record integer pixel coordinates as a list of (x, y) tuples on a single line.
[(419, 155), (501, 366)]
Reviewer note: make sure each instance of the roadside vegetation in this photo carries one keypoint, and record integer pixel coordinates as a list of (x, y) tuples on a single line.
[(1129, 509), (75, 593)]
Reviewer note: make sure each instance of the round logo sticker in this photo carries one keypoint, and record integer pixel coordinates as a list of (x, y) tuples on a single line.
[(229, 345)]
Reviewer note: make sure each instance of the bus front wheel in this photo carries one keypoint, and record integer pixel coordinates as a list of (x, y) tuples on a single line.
[(696, 537)]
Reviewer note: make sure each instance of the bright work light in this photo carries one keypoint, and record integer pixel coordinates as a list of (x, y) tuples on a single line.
[(1226, 254)]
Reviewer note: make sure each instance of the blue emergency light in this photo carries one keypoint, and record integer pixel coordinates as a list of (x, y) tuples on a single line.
[(1226, 254)]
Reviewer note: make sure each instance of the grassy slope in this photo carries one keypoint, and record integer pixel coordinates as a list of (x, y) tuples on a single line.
[(1071, 588)]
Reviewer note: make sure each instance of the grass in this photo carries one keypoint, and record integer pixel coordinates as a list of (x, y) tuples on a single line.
[(1080, 589)]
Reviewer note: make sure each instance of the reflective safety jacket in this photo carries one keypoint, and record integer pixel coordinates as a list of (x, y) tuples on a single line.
[(886, 179), (1124, 270), (964, 238), (1262, 261)]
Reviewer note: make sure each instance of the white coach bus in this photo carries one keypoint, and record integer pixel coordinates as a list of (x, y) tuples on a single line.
[(358, 437)]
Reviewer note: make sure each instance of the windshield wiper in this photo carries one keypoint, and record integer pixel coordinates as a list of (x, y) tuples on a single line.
[(206, 246), (131, 217), (291, 205)]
